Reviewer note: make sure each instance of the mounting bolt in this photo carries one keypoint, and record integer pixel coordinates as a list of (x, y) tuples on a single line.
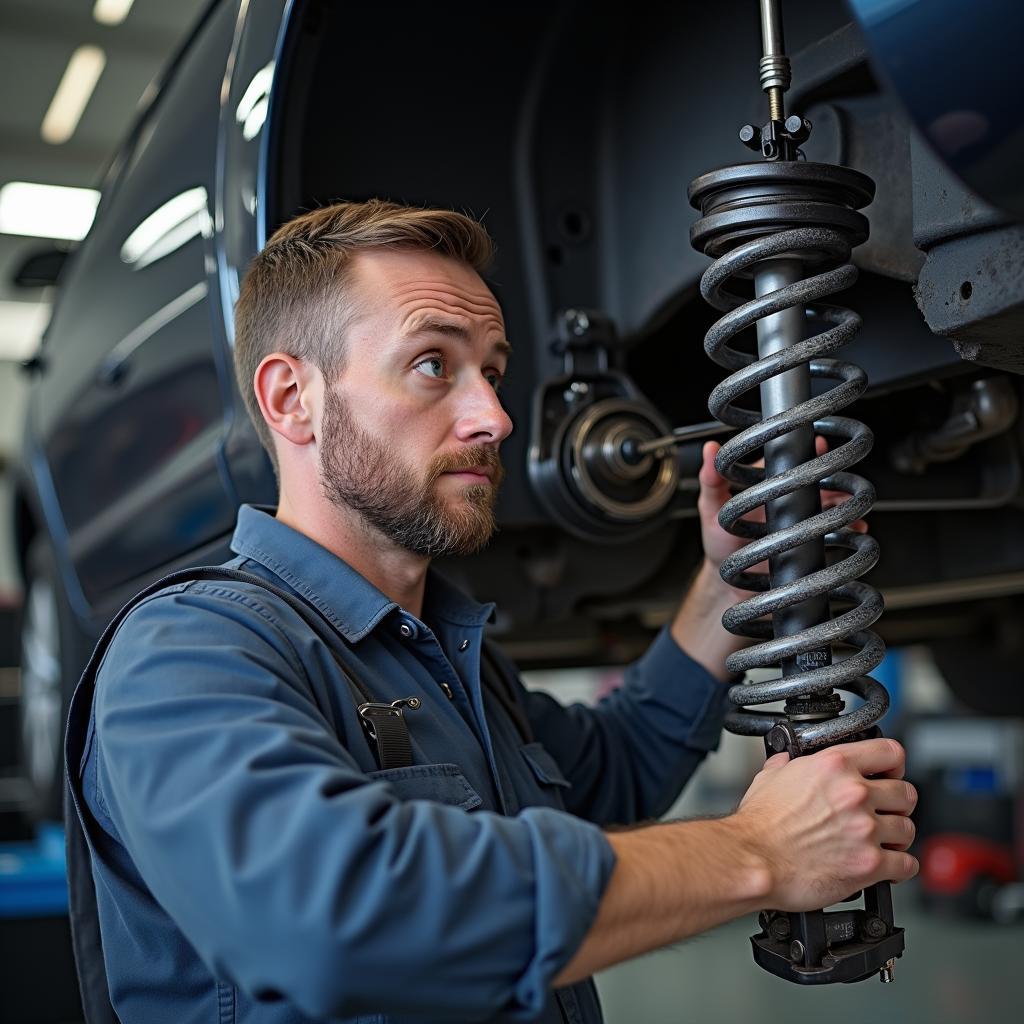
[(779, 930), (796, 951), (750, 136), (578, 321), (797, 129), (875, 928)]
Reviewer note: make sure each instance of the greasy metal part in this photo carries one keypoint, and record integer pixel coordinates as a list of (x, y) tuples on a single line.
[(588, 426), (971, 286), (662, 446), (783, 594), (774, 67), (604, 479), (949, 592), (1001, 482), (780, 137), (989, 407), (886, 974), (775, 333), (781, 234)]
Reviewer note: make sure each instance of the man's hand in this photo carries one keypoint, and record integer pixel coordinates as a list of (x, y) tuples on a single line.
[(808, 833), (831, 823)]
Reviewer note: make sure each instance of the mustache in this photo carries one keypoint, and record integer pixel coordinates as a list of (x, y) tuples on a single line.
[(468, 458)]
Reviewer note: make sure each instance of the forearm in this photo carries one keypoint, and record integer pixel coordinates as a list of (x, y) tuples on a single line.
[(697, 627), (670, 882), (808, 832)]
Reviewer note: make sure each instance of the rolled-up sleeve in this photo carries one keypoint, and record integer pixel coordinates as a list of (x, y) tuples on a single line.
[(629, 757), (291, 872)]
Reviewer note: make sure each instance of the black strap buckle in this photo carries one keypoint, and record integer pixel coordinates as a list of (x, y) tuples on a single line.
[(386, 726)]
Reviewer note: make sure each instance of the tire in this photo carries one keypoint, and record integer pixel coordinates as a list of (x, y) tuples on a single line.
[(52, 657)]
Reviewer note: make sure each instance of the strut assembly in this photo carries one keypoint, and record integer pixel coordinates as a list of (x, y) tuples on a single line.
[(607, 468), (781, 231)]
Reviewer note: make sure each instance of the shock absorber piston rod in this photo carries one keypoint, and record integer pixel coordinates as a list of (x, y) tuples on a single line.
[(775, 72), (780, 394)]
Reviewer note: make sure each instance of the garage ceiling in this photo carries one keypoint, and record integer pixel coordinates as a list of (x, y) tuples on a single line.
[(37, 39)]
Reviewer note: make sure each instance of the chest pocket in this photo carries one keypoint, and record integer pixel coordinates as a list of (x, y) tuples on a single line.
[(442, 783), (545, 775)]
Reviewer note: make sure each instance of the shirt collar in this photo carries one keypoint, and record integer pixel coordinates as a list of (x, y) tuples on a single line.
[(350, 601)]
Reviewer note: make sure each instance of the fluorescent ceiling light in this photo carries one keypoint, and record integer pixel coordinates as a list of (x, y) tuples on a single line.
[(111, 12), (72, 95), (255, 102), (168, 228), (47, 211), (21, 328)]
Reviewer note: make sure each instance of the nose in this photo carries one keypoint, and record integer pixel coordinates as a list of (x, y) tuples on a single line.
[(481, 417)]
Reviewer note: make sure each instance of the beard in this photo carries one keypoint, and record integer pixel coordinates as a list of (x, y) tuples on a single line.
[(367, 475)]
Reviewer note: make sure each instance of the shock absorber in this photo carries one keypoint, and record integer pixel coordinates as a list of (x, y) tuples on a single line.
[(781, 230)]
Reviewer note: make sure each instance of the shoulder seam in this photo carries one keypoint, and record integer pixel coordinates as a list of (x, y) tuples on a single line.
[(228, 593)]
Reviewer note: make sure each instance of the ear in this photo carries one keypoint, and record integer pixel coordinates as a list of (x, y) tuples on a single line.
[(286, 390)]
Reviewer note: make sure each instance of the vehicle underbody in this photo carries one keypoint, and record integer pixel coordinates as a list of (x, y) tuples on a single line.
[(575, 140)]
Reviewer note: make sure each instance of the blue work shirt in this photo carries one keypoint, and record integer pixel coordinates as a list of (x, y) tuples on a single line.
[(255, 866)]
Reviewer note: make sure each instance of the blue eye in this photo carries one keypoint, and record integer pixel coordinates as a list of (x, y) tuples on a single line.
[(433, 366)]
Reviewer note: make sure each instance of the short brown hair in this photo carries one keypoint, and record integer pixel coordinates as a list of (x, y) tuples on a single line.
[(292, 297)]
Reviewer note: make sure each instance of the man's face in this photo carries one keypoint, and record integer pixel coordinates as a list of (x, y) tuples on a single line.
[(410, 430)]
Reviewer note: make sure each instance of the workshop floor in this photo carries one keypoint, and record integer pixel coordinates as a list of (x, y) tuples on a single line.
[(953, 972)]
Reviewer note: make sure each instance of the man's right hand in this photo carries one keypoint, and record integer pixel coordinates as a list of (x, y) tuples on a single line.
[(830, 823), (808, 833)]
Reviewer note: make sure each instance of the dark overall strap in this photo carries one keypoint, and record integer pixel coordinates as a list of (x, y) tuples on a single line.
[(384, 723), (505, 690)]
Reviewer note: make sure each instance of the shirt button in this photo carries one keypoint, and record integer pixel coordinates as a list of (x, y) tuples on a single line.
[(464, 646), (406, 630)]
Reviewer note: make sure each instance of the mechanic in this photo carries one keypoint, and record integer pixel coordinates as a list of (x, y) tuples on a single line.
[(257, 864)]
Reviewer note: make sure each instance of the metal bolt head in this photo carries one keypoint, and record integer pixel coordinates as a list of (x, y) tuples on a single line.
[(875, 928), (794, 123), (796, 951), (578, 321), (750, 136), (575, 391), (780, 929)]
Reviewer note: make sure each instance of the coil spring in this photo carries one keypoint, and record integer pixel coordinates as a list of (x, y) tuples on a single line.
[(828, 248)]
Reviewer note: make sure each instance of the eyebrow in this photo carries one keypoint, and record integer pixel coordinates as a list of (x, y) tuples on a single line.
[(452, 330)]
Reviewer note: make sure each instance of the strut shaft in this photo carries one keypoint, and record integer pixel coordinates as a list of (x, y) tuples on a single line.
[(778, 395)]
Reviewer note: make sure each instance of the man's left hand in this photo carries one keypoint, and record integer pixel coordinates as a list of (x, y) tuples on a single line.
[(714, 493)]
